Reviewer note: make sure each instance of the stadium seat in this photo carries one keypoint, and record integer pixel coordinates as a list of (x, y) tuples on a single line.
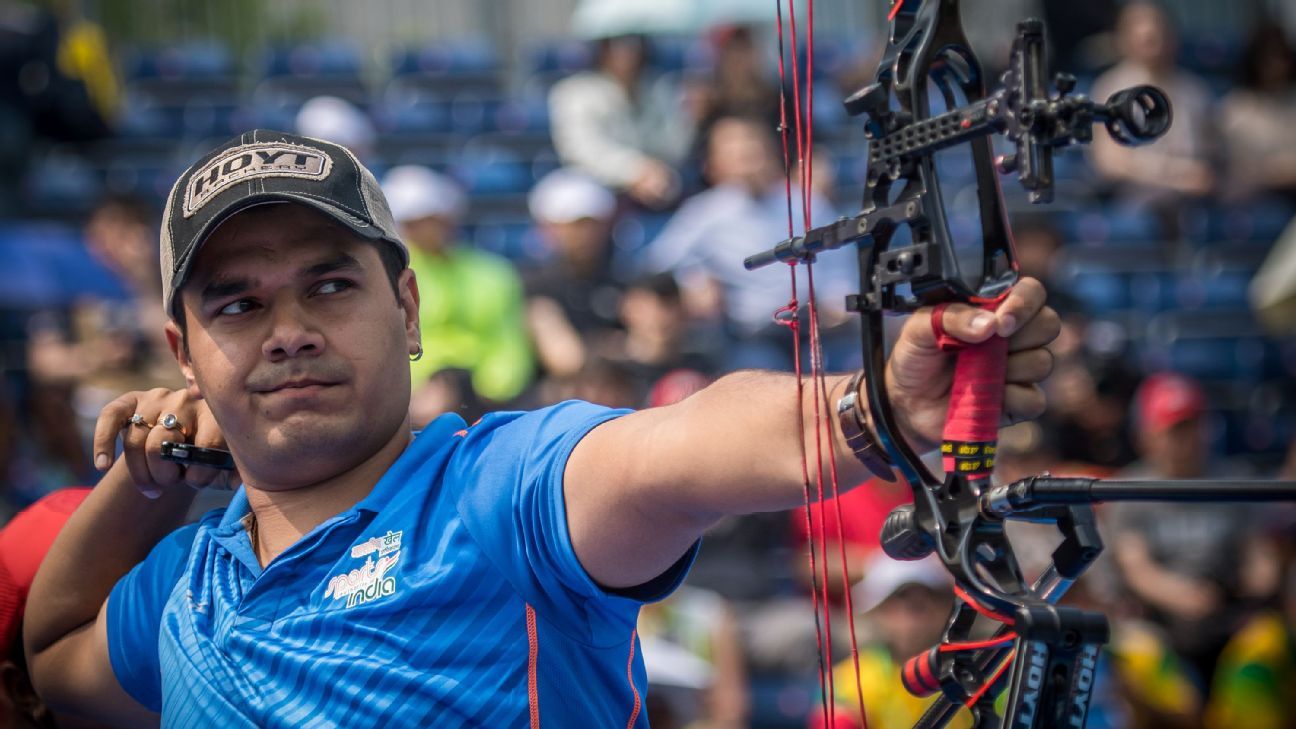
[(1212, 346), (447, 67), (406, 109), (489, 170), (60, 184), (49, 266), (1104, 226), (515, 239)]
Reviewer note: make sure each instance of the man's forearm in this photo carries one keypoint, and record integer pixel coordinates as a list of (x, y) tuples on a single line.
[(743, 435), (110, 533)]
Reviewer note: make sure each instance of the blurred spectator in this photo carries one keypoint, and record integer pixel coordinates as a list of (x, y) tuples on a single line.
[(656, 340), (622, 128), (24, 542), (574, 295), (745, 212), (1255, 681), (1259, 117), (1191, 565), (101, 347), (739, 84), (1089, 393), (471, 313), (56, 82), (338, 120), (1179, 165), (694, 659), (1074, 29), (906, 604)]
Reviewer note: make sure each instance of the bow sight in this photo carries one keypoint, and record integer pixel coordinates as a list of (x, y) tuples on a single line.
[(999, 622)]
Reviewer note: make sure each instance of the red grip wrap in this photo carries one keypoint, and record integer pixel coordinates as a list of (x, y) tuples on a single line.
[(976, 401), (918, 674)]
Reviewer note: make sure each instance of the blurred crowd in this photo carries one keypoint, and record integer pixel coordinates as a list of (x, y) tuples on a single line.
[(625, 287)]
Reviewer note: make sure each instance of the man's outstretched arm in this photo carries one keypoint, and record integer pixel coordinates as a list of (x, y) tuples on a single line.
[(641, 489)]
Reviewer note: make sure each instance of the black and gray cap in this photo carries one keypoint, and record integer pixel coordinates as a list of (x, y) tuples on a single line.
[(264, 166)]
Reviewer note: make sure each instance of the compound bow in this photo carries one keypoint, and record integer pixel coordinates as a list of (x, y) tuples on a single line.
[(999, 622)]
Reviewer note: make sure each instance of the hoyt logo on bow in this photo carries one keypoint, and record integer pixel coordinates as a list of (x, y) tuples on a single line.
[(370, 580)]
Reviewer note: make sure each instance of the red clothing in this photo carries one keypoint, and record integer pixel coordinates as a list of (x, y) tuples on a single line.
[(863, 510)]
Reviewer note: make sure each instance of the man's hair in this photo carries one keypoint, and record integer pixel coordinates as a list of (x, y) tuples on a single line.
[(387, 253)]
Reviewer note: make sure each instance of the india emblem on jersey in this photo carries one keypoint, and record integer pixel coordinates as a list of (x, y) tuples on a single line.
[(370, 580)]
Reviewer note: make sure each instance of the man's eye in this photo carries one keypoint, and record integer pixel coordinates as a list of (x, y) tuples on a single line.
[(333, 286), (235, 307)]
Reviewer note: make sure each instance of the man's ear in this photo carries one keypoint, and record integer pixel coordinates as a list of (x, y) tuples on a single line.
[(409, 303), (175, 340)]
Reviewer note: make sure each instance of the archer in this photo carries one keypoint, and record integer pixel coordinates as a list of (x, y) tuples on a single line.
[(467, 575)]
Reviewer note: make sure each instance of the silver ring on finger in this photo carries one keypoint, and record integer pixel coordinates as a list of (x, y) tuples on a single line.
[(138, 419), (171, 422)]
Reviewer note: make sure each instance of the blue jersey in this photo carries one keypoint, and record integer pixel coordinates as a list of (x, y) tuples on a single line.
[(449, 597)]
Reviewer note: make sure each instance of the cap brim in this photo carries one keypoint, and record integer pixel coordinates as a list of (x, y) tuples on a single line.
[(346, 219)]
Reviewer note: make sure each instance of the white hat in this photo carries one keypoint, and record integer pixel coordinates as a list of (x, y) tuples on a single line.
[(565, 195), (883, 576), (338, 121), (414, 192)]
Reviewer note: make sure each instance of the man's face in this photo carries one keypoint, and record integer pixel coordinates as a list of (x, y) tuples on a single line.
[(432, 233), (1145, 36), (297, 344), (740, 153), (582, 240), (1178, 451)]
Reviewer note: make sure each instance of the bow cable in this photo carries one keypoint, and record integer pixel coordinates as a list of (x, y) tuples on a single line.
[(821, 408)]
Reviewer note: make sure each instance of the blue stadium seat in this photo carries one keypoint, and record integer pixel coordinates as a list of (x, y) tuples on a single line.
[(489, 170), (202, 61), (1109, 226), (559, 58), (1209, 346), (61, 184), (464, 55), (325, 59), (411, 110), (1261, 222), (515, 239), (48, 266), (1222, 290)]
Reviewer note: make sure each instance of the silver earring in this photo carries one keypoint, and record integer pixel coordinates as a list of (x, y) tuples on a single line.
[(417, 355)]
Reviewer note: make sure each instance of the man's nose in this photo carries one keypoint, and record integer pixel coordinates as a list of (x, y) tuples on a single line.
[(291, 334)]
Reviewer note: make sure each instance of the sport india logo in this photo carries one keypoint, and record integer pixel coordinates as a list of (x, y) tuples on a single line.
[(369, 581)]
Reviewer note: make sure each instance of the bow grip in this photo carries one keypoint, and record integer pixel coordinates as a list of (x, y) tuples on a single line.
[(971, 432)]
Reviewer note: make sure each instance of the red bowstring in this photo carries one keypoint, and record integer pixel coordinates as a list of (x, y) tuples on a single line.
[(804, 145), (1007, 661), (787, 315), (895, 9), (983, 610)]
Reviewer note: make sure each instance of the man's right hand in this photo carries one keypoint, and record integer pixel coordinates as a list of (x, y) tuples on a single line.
[(142, 440)]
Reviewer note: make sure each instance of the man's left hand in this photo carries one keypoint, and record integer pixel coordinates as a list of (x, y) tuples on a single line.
[(919, 373)]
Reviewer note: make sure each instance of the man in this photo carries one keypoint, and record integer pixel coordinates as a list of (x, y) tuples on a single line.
[(470, 307), (747, 207), (1190, 564), (573, 297), (1177, 167), (480, 575), (907, 604), (626, 131)]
